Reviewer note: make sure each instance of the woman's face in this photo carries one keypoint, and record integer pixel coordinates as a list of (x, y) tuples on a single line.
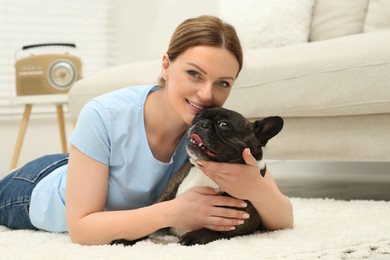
[(200, 77)]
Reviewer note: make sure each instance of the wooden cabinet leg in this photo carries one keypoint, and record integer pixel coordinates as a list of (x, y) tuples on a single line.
[(22, 131), (61, 125)]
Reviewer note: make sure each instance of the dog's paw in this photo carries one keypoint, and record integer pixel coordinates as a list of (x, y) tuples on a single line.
[(125, 242), (200, 237)]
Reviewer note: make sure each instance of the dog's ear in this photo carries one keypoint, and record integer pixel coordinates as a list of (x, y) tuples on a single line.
[(267, 128)]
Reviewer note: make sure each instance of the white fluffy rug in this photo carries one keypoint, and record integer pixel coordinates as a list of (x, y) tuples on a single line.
[(324, 229)]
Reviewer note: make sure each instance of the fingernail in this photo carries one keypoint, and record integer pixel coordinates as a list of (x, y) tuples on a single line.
[(249, 151), (240, 222), (246, 215), (232, 228), (244, 204)]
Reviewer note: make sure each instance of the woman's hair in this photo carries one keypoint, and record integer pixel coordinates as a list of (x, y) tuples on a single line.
[(204, 31)]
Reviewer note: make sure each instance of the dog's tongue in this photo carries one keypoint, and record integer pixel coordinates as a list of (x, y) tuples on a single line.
[(197, 138), (199, 141)]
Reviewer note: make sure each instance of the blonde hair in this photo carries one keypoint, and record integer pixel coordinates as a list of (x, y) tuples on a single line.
[(204, 31)]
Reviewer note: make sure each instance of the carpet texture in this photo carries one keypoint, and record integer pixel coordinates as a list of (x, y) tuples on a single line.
[(324, 229)]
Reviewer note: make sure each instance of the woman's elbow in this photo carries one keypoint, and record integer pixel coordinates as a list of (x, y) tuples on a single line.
[(79, 234)]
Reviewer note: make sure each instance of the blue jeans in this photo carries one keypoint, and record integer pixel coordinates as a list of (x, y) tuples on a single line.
[(16, 189)]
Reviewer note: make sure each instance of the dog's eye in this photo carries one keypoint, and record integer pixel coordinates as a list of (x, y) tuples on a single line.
[(223, 125)]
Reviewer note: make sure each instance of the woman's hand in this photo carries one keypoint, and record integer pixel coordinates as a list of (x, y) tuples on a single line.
[(245, 182), (202, 207), (238, 180)]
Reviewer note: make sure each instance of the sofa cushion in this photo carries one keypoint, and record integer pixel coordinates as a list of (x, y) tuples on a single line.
[(264, 23), (343, 76), (378, 16), (335, 18)]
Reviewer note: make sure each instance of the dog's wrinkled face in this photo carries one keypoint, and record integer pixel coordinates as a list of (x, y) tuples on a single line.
[(219, 134)]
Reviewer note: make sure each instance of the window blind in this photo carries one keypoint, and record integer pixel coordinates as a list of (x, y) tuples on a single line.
[(88, 24)]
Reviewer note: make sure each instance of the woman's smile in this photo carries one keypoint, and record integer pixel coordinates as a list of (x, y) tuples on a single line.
[(196, 106)]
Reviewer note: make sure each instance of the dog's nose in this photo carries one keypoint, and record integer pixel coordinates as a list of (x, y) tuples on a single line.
[(205, 124)]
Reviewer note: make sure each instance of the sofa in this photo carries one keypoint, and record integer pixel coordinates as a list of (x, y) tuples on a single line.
[(333, 90)]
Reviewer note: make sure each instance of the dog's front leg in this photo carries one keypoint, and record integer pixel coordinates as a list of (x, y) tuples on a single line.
[(200, 237), (172, 186)]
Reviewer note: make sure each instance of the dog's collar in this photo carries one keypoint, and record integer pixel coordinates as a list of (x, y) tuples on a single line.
[(263, 168)]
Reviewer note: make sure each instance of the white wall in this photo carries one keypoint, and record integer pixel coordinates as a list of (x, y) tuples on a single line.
[(145, 27)]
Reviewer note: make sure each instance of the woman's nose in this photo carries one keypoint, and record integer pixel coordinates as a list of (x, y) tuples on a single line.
[(205, 92)]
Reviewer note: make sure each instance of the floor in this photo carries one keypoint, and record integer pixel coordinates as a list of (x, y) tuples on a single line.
[(339, 180)]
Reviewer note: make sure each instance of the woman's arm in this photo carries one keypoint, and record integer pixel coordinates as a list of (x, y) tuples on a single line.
[(274, 208), (89, 224), (245, 182)]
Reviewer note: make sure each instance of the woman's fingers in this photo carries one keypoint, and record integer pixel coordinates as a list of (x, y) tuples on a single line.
[(219, 223), (203, 207), (224, 215), (229, 213)]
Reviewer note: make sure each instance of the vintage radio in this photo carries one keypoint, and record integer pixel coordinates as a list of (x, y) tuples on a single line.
[(47, 73)]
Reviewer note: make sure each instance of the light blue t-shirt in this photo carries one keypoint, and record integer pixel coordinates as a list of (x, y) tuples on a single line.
[(111, 130)]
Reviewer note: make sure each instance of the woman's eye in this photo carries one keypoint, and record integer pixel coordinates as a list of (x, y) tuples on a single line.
[(193, 74), (223, 84)]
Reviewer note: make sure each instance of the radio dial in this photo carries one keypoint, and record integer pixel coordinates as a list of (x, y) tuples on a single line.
[(62, 74)]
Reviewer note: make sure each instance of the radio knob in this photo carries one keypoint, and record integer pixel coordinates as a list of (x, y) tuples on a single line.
[(62, 74)]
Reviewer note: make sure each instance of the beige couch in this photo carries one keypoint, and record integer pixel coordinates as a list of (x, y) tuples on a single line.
[(333, 91)]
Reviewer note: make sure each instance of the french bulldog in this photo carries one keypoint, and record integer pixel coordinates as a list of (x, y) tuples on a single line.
[(220, 135)]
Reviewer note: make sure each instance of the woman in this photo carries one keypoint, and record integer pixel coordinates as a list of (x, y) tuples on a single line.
[(128, 143)]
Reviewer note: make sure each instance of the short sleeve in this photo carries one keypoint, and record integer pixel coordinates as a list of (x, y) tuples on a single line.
[(91, 134)]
